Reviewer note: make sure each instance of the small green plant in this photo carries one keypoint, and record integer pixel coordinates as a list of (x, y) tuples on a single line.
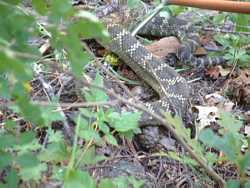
[(27, 159), (233, 45), (230, 142), (233, 49)]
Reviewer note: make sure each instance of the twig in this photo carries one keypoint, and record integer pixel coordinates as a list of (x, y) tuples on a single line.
[(194, 80), (219, 30), (115, 77), (148, 19), (79, 104)]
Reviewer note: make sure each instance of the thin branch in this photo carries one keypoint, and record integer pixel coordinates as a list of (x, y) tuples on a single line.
[(115, 77), (148, 19), (79, 104), (221, 30)]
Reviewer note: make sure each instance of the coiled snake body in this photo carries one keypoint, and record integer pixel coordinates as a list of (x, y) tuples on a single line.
[(172, 89)]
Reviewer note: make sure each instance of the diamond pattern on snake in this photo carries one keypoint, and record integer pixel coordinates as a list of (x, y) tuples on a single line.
[(172, 89)]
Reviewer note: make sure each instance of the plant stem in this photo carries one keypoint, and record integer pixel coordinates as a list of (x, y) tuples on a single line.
[(73, 155)]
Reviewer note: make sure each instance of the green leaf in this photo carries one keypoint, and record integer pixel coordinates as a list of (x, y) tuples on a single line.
[(78, 58), (223, 40), (211, 158), (14, 2), (60, 9), (33, 172), (27, 147), (55, 152), (78, 179), (96, 94), (248, 143), (176, 10), (89, 134), (103, 127), (90, 156), (15, 24), (247, 184), (183, 159), (244, 162), (29, 111), (135, 182), (133, 3), (5, 159), (106, 183), (111, 139), (30, 167), (129, 134), (40, 6), (54, 136), (208, 137), (26, 137), (10, 125), (84, 124), (58, 173), (99, 94), (87, 113), (121, 182), (7, 140), (101, 115), (242, 20), (4, 88), (125, 121), (12, 179), (17, 69), (219, 18), (233, 184), (93, 28), (49, 115), (178, 125), (27, 160)]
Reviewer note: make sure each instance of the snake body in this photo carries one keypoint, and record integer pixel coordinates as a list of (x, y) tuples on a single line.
[(172, 89)]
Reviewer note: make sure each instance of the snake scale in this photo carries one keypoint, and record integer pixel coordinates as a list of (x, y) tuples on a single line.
[(172, 89)]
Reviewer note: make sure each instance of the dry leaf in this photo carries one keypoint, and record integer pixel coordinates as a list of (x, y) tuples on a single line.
[(213, 72), (206, 115), (215, 99), (239, 88), (164, 46), (224, 72)]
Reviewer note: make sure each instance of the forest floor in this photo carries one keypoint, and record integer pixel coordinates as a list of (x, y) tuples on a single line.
[(152, 155)]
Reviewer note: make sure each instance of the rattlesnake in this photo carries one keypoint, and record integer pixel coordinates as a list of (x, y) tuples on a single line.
[(172, 89)]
